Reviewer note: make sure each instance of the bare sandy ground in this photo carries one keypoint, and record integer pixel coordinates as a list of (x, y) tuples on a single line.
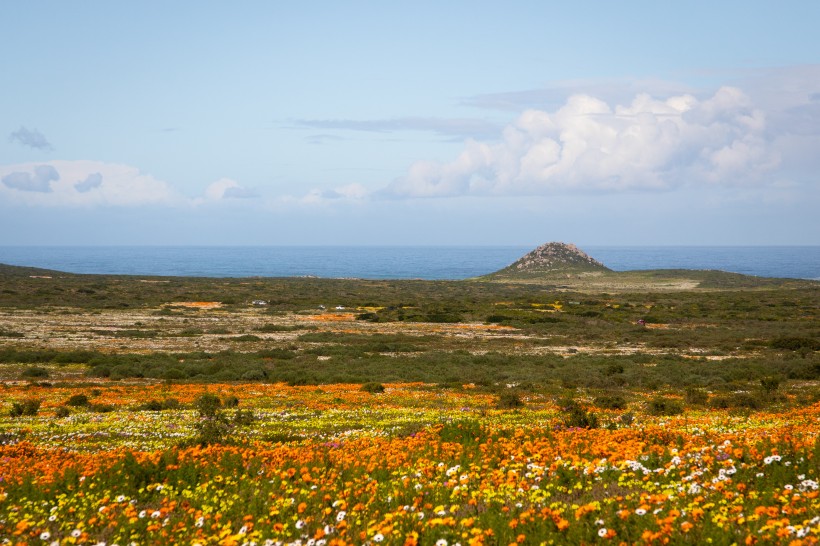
[(204, 326)]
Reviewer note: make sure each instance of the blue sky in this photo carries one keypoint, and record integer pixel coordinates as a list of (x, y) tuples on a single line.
[(359, 123)]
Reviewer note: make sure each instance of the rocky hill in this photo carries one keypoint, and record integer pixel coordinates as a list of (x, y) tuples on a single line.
[(553, 258)]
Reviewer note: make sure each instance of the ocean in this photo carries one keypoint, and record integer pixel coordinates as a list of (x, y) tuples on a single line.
[(396, 262)]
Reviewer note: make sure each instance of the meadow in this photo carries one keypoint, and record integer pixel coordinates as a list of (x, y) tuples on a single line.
[(165, 411)]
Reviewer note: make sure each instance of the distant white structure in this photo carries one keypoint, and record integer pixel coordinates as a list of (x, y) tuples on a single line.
[(259, 302), (340, 307)]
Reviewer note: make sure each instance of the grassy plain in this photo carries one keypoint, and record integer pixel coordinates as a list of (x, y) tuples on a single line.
[(642, 407)]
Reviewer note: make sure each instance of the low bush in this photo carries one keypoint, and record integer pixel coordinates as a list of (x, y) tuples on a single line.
[(244, 418), (770, 384), (575, 416), (34, 372), (611, 401), (795, 343), (745, 400), (26, 407), (696, 397), (77, 400), (664, 406), (509, 400), (207, 405)]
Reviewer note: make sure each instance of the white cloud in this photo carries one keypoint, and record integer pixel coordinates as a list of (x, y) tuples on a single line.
[(82, 183), (226, 188), (94, 183), (588, 145)]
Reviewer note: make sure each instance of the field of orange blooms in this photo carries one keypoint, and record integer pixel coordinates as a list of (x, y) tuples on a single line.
[(334, 465)]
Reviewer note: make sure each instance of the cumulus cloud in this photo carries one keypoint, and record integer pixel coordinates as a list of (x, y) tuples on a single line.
[(31, 138), (70, 183), (93, 180), (39, 180), (588, 145), (225, 188)]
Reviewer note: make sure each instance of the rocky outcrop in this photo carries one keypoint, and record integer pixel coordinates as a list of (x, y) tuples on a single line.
[(554, 258)]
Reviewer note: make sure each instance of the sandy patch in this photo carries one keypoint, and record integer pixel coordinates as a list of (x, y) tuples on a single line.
[(331, 317), (197, 304)]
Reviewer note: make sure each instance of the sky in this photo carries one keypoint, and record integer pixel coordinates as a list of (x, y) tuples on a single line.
[(410, 123)]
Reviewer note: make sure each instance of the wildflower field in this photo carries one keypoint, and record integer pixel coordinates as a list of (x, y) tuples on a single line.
[(409, 465), (471, 414)]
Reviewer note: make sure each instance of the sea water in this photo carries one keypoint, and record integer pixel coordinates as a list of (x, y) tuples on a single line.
[(395, 262)]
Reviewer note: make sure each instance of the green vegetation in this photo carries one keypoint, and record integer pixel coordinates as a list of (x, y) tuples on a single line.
[(710, 344)]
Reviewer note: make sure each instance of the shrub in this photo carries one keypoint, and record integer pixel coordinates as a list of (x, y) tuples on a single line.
[(213, 430), (254, 375), (509, 400), (795, 343), (739, 400), (576, 416), (373, 387), (244, 418), (151, 405), (581, 419), (697, 397), (269, 328), (664, 406), (770, 384), (213, 427), (230, 401), (62, 412), (611, 401), (26, 407), (34, 371), (614, 369), (77, 400), (246, 337), (208, 405), (173, 373)]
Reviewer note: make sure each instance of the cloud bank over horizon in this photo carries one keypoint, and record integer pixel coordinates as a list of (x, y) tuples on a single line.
[(63, 183), (587, 145)]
